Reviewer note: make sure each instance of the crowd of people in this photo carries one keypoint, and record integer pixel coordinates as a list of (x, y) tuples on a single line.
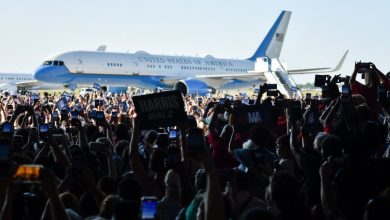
[(87, 157)]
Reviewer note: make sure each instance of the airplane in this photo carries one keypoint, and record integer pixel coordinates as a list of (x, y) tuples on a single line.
[(12, 82), (187, 74)]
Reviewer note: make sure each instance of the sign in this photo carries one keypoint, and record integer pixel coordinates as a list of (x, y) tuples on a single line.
[(159, 109), (62, 104), (294, 89), (247, 115), (97, 86)]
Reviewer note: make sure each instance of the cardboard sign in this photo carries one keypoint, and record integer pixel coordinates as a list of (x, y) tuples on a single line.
[(159, 109), (247, 115)]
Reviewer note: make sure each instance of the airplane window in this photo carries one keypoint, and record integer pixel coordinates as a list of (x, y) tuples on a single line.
[(61, 63), (48, 62), (55, 63)]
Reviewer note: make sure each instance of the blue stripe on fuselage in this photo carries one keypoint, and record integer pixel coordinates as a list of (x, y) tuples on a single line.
[(60, 74)]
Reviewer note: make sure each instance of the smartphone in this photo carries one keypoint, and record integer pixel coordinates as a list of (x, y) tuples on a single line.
[(308, 95), (99, 115), (114, 114), (92, 114), (172, 134), (43, 129), (271, 86), (296, 110), (58, 138), (74, 118), (196, 142), (345, 90), (315, 97), (221, 101), (229, 97), (74, 115), (4, 149), (272, 93), (97, 147), (8, 128), (97, 103), (256, 91), (28, 173), (64, 114), (381, 93), (148, 207), (55, 115)]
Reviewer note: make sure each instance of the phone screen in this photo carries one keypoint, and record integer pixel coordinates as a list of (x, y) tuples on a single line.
[(55, 114), (345, 90), (149, 207), (114, 114), (7, 128), (43, 128), (172, 134), (28, 173), (271, 86), (99, 115), (4, 149), (74, 114)]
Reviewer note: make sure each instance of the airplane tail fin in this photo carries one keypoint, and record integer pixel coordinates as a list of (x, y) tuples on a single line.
[(273, 41)]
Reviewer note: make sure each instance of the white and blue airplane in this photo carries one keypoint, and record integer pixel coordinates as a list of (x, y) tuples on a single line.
[(187, 74), (12, 82)]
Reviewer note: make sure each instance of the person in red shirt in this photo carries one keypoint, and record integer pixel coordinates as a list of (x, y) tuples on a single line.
[(370, 89)]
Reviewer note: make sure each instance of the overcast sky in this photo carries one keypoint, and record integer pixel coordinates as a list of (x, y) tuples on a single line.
[(319, 31)]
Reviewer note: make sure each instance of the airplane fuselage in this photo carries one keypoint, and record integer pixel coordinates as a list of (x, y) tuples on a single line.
[(139, 69)]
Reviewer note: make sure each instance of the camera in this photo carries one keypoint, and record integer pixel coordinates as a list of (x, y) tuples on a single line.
[(321, 80)]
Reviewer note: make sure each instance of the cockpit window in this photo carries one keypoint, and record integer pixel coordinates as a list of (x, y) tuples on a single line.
[(54, 63), (48, 62)]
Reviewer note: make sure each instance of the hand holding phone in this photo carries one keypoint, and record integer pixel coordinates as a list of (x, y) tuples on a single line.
[(28, 173)]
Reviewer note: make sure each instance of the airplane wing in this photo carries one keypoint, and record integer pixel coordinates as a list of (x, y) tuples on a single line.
[(35, 84), (321, 70)]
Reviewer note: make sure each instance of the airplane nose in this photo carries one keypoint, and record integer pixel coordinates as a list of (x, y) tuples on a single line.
[(47, 73), (41, 73)]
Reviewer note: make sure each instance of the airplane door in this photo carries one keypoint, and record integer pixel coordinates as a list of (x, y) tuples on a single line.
[(79, 64), (135, 68)]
